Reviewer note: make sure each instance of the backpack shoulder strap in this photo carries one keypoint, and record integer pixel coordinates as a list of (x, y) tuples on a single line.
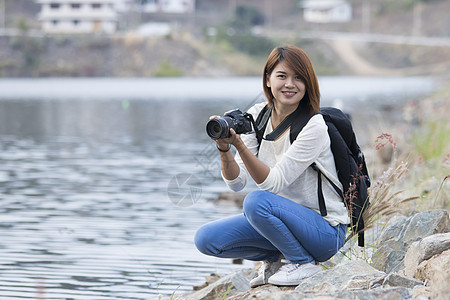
[(343, 125), (296, 128), (343, 139), (302, 118)]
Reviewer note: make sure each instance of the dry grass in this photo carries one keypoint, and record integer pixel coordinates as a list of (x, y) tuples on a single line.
[(385, 200), (385, 197)]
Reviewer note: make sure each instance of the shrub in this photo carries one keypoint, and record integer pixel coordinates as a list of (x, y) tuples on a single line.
[(166, 69)]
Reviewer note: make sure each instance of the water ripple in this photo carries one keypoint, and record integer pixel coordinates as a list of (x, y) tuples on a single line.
[(85, 223)]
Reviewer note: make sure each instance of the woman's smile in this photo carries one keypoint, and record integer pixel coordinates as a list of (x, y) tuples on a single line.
[(288, 94)]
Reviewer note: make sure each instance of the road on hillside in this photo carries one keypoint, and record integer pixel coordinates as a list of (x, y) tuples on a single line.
[(325, 35), (378, 38), (362, 37)]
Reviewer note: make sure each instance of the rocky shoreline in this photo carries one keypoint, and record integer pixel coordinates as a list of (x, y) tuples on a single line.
[(412, 261)]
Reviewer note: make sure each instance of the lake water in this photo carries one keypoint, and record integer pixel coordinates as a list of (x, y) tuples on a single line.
[(103, 182)]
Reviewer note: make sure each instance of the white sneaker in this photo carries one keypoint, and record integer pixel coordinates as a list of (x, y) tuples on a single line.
[(266, 270), (293, 274)]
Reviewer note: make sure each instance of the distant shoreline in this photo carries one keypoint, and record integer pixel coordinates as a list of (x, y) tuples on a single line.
[(334, 89)]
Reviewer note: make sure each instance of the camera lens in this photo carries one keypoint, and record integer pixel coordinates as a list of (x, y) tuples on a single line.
[(217, 128)]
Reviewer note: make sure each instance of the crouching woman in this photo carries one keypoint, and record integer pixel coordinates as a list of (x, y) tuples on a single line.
[(281, 224)]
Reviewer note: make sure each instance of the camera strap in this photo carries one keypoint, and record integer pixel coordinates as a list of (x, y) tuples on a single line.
[(281, 128), (263, 121)]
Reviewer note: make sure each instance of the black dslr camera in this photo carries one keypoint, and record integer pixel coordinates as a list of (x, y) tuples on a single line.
[(220, 127)]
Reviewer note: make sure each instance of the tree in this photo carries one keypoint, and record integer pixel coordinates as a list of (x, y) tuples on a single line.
[(246, 17)]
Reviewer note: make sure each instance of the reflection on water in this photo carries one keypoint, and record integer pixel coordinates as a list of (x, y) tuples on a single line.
[(84, 204)]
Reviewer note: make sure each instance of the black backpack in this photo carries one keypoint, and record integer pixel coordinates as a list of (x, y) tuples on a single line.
[(349, 159)]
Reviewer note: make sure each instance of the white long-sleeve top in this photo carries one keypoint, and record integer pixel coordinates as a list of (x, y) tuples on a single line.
[(290, 175)]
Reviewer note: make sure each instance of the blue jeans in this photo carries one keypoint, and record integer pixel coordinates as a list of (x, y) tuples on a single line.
[(271, 225)]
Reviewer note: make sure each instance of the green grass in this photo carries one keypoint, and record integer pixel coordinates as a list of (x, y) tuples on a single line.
[(167, 69), (431, 152)]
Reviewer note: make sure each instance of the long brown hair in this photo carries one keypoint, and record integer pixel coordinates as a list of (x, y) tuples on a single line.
[(300, 63)]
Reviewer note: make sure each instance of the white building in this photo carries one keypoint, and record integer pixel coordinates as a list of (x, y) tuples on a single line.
[(78, 16), (326, 11), (167, 6), (161, 6)]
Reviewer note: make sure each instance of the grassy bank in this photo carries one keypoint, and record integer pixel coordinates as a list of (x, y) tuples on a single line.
[(430, 150), (413, 167), (426, 145)]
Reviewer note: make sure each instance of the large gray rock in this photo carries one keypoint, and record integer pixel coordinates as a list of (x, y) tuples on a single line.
[(425, 249), (436, 271), (394, 279), (236, 282), (274, 293), (353, 274), (265, 292), (401, 232), (390, 293)]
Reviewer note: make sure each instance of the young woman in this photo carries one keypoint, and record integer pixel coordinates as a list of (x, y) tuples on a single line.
[(282, 218)]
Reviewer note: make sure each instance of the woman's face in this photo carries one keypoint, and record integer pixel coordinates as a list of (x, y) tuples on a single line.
[(287, 87)]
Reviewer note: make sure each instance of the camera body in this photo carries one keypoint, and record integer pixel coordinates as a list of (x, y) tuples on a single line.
[(219, 128)]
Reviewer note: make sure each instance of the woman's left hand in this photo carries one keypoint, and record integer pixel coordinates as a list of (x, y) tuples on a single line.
[(234, 137), (224, 142)]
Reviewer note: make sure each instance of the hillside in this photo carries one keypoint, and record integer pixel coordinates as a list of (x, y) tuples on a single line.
[(187, 52)]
